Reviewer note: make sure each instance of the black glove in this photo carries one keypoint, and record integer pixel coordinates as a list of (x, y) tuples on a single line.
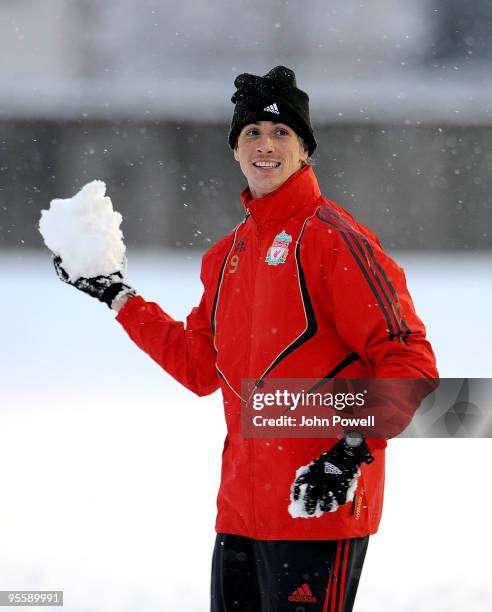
[(104, 288), (330, 481)]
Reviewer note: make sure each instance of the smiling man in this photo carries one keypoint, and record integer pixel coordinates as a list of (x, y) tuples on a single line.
[(299, 289), (269, 153)]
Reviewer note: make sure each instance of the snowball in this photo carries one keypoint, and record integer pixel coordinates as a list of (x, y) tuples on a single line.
[(353, 486), (85, 232)]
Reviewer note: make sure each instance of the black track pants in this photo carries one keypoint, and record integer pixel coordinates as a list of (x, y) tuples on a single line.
[(285, 575)]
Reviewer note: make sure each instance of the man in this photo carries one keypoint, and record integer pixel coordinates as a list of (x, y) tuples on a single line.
[(299, 289)]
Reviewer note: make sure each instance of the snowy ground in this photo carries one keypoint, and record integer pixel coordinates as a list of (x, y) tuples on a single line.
[(110, 469)]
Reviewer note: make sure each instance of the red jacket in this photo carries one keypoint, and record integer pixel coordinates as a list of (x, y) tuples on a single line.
[(336, 306)]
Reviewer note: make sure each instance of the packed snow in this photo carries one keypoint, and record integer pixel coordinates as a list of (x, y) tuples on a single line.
[(85, 232), (99, 446)]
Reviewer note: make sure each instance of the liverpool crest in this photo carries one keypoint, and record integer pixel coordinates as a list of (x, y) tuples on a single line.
[(277, 253)]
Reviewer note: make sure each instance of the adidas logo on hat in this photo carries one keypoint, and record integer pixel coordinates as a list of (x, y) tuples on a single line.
[(303, 593), (272, 108)]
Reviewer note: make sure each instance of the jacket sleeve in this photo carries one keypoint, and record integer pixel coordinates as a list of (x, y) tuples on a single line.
[(186, 352), (374, 314)]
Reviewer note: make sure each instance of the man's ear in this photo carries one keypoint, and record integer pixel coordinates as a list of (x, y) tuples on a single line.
[(304, 150), (304, 153), (235, 153)]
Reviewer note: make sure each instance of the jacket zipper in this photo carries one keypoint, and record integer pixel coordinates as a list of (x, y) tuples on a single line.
[(248, 361)]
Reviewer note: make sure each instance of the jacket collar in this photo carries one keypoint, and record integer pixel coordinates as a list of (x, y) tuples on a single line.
[(296, 196)]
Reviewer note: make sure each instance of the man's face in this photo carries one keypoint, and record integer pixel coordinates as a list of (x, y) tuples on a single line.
[(268, 154)]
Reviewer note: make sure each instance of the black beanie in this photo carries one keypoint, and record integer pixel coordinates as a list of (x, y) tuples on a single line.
[(273, 97)]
